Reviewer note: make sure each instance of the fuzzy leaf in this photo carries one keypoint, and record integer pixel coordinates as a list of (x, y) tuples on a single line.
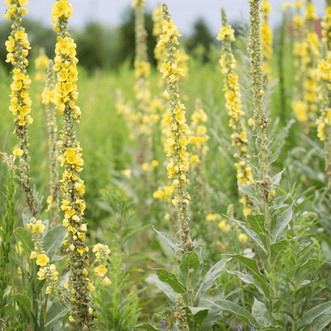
[(276, 249), (24, 236), (282, 222), (165, 288), (169, 278), (260, 313), (173, 244), (257, 224), (277, 178), (147, 326), (54, 314), (53, 240), (247, 189), (238, 311), (190, 265), (251, 265), (26, 216), (274, 156), (199, 314), (213, 273), (248, 279), (323, 309)]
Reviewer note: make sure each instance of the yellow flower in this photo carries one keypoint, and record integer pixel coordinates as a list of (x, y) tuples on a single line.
[(222, 224), (71, 319), (159, 194), (91, 287), (17, 151), (41, 274), (126, 172), (90, 311), (243, 237), (101, 270), (106, 281), (145, 166), (33, 255), (48, 290), (155, 163), (42, 260)]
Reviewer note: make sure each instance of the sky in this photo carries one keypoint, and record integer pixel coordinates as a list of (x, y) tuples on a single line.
[(183, 12)]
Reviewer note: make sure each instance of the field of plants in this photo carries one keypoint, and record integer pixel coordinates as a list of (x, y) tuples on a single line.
[(190, 196)]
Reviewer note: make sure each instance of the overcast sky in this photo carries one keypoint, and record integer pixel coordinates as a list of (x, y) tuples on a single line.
[(184, 12)]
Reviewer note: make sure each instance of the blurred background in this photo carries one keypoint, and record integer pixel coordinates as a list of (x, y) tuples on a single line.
[(104, 29)]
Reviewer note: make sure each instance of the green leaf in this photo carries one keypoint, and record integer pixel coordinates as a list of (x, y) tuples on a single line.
[(165, 288), (55, 313), (238, 311), (257, 224), (276, 249), (276, 179), (248, 279), (253, 235), (26, 216), (189, 266), (252, 266), (199, 314), (261, 313), (282, 222), (25, 237), (169, 278), (213, 273), (322, 321), (53, 240), (247, 189), (147, 326), (274, 156), (314, 313), (173, 244)]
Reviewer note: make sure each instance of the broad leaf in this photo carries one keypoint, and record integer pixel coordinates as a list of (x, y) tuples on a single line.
[(147, 326), (314, 313), (281, 225), (25, 237), (274, 156), (173, 244), (260, 313), (189, 266), (199, 315), (251, 265), (54, 314), (165, 288), (26, 216), (248, 279), (247, 189), (169, 278), (276, 179), (257, 224), (53, 240), (213, 273), (276, 249), (238, 311)]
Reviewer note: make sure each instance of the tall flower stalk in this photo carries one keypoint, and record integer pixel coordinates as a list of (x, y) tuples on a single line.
[(73, 187), (235, 112), (177, 133), (20, 104), (48, 99), (260, 120), (142, 86)]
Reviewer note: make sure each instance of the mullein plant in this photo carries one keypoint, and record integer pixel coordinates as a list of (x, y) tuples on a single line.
[(298, 105), (73, 187), (142, 85), (20, 104), (266, 38), (272, 226), (326, 24), (48, 99), (233, 104)]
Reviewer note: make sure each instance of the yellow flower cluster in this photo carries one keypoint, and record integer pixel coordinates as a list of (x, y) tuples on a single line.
[(101, 253), (235, 112), (266, 37), (46, 271), (41, 64), (324, 76), (198, 134), (311, 12), (157, 18), (177, 139), (73, 186), (326, 25)]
